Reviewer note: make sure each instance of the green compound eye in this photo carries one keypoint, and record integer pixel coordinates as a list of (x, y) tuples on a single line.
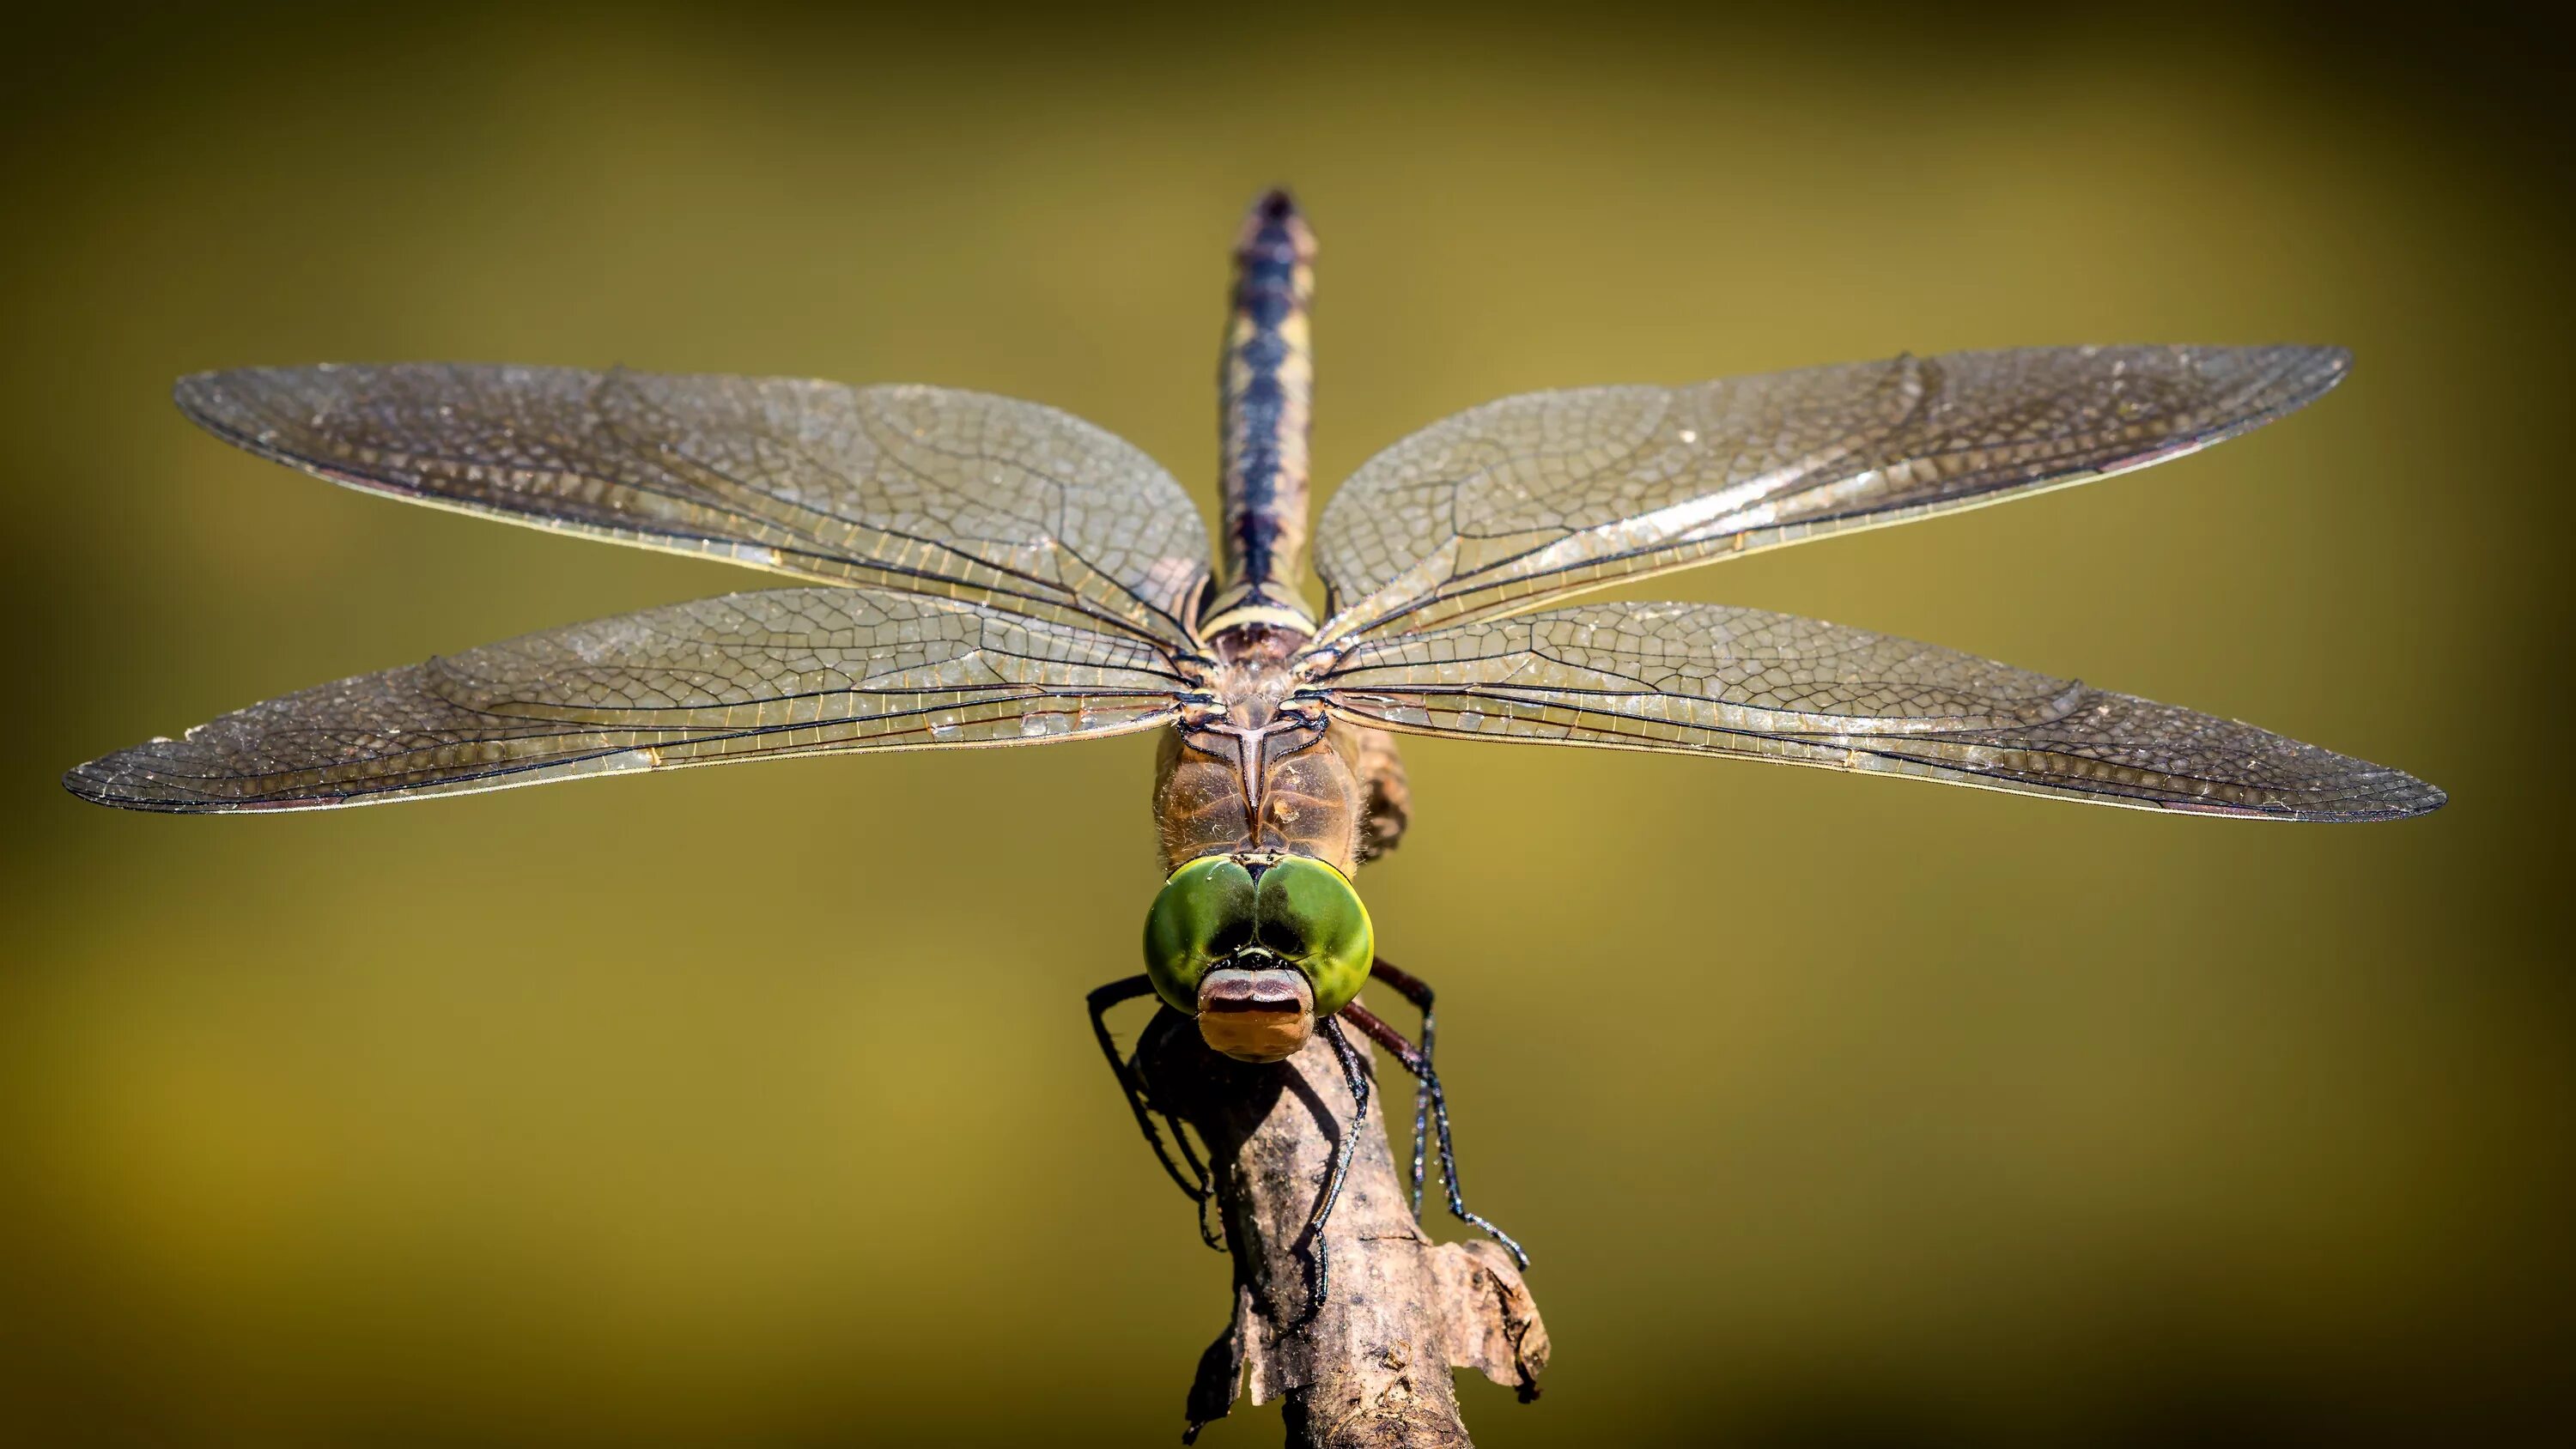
[(1307, 912), (1204, 914)]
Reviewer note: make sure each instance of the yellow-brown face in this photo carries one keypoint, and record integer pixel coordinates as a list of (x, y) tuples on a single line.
[(1262, 1014), (1258, 948)]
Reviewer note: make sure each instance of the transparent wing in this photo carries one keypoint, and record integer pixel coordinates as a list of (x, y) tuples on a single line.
[(927, 489), (1703, 678), (1526, 501), (749, 676)]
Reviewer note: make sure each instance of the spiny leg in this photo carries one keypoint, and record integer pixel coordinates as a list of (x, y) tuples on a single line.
[(1414, 989), (1131, 1081), (1415, 1062), (1355, 1072)]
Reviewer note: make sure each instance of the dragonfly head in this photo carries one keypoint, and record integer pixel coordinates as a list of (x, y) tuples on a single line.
[(1258, 948)]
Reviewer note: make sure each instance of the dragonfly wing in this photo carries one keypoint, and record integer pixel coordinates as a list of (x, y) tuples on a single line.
[(1526, 501), (749, 676), (927, 489), (1708, 679)]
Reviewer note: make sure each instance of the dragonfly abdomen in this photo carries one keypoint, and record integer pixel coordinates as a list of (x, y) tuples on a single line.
[(1267, 378)]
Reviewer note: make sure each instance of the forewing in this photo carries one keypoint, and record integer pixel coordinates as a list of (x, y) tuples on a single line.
[(1707, 679), (1526, 501), (750, 676), (956, 494)]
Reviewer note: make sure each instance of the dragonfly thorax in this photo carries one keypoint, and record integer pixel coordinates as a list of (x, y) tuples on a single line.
[(1259, 774)]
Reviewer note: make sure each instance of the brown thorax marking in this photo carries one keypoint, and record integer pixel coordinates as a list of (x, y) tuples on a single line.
[(1248, 697)]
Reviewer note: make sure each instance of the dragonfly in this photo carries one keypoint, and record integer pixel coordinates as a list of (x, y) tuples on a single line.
[(968, 571)]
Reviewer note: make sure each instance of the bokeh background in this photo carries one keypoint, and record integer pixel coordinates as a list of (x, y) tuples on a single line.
[(754, 1107)]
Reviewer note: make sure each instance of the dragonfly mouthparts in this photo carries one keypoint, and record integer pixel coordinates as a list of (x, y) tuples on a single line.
[(1263, 983), (1261, 1011)]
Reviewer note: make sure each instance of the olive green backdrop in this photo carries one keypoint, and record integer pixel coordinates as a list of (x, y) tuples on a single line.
[(754, 1107)]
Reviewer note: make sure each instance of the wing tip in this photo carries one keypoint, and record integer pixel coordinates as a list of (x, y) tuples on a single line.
[(108, 781), (2380, 792), (82, 781), (190, 391), (213, 401), (2381, 796), (230, 402), (2411, 797), (2328, 364), (2283, 378), (124, 790), (142, 778)]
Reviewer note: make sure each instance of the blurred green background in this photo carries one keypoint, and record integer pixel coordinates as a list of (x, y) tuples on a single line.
[(754, 1107)]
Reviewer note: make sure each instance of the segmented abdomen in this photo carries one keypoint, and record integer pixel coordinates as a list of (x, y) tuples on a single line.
[(1267, 377)]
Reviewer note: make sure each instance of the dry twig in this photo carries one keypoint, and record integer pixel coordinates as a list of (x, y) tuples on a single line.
[(1371, 1368)]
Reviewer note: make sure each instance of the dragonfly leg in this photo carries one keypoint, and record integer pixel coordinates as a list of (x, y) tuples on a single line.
[(1355, 1072), (1131, 1080), (1390, 803), (1414, 989), (1416, 1062)]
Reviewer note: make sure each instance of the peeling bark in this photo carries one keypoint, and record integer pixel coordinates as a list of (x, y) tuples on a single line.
[(1371, 1366)]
